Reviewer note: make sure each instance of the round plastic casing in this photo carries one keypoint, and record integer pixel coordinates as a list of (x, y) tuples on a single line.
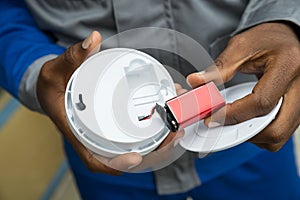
[(200, 138), (109, 92), (106, 95)]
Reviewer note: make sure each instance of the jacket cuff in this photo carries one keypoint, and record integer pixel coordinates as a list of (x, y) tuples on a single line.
[(258, 12), (27, 88)]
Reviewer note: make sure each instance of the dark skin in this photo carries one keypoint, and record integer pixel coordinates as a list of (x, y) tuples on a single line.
[(271, 51), (51, 86)]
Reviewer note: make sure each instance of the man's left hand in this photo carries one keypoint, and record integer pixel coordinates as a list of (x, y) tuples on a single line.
[(271, 51)]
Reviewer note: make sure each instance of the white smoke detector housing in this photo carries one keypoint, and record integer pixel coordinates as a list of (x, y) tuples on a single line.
[(106, 95), (111, 90)]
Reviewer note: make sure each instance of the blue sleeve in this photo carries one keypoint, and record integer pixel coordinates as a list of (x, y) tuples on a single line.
[(21, 43)]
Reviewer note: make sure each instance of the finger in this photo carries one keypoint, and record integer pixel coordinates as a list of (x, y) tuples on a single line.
[(88, 157), (181, 91), (200, 78), (285, 123), (76, 54), (261, 101), (123, 162), (58, 116), (269, 147), (85, 155), (224, 69), (173, 139), (164, 154), (177, 86), (94, 164)]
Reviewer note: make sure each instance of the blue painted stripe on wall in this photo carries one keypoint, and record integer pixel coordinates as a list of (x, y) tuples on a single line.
[(55, 181), (7, 111)]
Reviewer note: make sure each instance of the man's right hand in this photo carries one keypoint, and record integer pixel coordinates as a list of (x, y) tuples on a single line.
[(51, 86)]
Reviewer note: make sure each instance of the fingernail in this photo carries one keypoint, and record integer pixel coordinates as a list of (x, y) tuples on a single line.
[(189, 84), (213, 124), (132, 166), (176, 142), (202, 155), (197, 73), (87, 42), (94, 51), (202, 72)]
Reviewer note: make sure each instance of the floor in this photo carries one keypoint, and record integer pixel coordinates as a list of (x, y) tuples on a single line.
[(32, 159), (33, 165)]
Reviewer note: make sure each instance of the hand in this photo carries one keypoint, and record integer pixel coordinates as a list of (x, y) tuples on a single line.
[(271, 51), (51, 86)]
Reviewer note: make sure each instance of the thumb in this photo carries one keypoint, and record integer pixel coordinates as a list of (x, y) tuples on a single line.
[(223, 70), (73, 57), (92, 43)]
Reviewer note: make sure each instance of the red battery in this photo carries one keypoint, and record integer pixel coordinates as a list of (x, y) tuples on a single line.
[(190, 107), (195, 105)]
